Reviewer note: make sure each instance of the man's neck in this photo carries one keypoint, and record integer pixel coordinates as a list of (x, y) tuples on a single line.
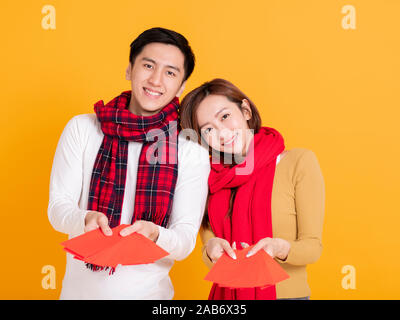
[(136, 110)]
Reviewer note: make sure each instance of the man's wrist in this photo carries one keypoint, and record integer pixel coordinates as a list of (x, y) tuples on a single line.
[(156, 233)]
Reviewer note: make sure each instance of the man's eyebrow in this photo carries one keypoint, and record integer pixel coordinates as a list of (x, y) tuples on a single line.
[(148, 59), (168, 66), (215, 115)]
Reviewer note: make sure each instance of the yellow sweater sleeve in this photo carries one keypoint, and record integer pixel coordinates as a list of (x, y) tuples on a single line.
[(310, 204)]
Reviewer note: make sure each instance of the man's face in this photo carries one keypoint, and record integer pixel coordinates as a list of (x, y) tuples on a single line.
[(156, 78)]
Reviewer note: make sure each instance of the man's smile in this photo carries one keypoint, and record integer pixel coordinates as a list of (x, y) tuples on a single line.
[(151, 93)]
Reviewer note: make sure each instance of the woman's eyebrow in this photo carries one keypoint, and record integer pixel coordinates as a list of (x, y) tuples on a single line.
[(215, 115)]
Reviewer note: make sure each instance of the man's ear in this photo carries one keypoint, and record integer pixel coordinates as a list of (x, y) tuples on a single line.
[(246, 109), (128, 72), (180, 91)]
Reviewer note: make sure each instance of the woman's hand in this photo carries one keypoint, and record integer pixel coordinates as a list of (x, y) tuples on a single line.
[(215, 247), (146, 228), (275, 247), (94, 220)]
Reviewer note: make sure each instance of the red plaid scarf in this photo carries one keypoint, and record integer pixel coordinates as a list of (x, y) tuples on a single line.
[(158, 161)]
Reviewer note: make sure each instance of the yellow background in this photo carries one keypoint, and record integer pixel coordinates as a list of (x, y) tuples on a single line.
[(327, 89)]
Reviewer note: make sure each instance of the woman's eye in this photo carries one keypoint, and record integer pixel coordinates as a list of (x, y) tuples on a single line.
[(225, 116)]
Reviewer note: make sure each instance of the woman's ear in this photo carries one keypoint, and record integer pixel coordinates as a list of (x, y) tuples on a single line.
[(128, 72), (246, 109), (180, 91)]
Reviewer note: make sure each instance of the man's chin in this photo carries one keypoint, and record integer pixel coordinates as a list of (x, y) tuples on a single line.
[(151, 109), (148, 107)]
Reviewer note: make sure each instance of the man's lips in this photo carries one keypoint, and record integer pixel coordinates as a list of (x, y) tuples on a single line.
[(151, 93)]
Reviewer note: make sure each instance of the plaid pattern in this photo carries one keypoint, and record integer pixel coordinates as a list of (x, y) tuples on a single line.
[(156, 176)]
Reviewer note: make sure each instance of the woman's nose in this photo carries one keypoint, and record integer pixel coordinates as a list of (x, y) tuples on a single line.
[(224, 135)]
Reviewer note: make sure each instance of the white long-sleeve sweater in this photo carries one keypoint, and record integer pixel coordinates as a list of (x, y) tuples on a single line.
[(69, 187)]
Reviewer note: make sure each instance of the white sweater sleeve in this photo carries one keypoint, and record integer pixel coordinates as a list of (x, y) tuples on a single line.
[(179, 238), (66, 182)]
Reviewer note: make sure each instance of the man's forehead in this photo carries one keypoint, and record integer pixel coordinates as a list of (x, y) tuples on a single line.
[(164, 54)]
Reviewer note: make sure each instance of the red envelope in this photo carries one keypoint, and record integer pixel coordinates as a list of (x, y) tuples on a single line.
[(259, 270), (109, 251)]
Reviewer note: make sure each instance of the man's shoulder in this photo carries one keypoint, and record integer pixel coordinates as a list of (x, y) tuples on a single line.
[(187, 143), (81, 127), (83, 123), (192, 151), (86, 119)]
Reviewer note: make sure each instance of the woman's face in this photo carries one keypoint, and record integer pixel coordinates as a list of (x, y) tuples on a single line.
[(223, 125)]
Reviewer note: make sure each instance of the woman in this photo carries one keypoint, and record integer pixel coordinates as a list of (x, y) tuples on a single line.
[(265, 196)]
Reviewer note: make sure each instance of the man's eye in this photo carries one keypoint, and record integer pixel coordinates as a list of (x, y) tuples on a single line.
[(170, 73), (148, 66)]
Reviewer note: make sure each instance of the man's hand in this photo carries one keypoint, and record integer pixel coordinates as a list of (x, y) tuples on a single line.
[(146, 228), (94, 220)]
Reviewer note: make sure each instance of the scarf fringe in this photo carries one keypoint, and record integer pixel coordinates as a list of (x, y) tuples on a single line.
[(95, 268)]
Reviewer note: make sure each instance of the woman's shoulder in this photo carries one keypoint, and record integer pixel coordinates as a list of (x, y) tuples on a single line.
[(299, 158), (298, 153)]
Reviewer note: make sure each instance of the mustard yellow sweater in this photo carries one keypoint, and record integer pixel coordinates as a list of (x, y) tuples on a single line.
[(297, 208)]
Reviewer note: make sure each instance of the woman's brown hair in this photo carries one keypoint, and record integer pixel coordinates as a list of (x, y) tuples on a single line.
[(188, 116)]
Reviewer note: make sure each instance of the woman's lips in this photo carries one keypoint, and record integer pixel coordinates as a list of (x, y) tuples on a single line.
[(230, 142)]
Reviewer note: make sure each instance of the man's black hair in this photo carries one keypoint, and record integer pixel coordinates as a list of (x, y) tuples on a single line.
[(166, 36)]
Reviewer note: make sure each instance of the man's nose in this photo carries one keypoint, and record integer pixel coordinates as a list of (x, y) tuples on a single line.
[(155, 78)]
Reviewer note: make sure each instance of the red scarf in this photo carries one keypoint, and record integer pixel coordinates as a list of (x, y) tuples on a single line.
[(156, 177), (251, 215)]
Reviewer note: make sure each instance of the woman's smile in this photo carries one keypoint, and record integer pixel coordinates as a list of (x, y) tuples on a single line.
[(230, 142)]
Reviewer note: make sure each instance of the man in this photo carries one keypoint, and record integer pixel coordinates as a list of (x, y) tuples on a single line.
[(104, 174)]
